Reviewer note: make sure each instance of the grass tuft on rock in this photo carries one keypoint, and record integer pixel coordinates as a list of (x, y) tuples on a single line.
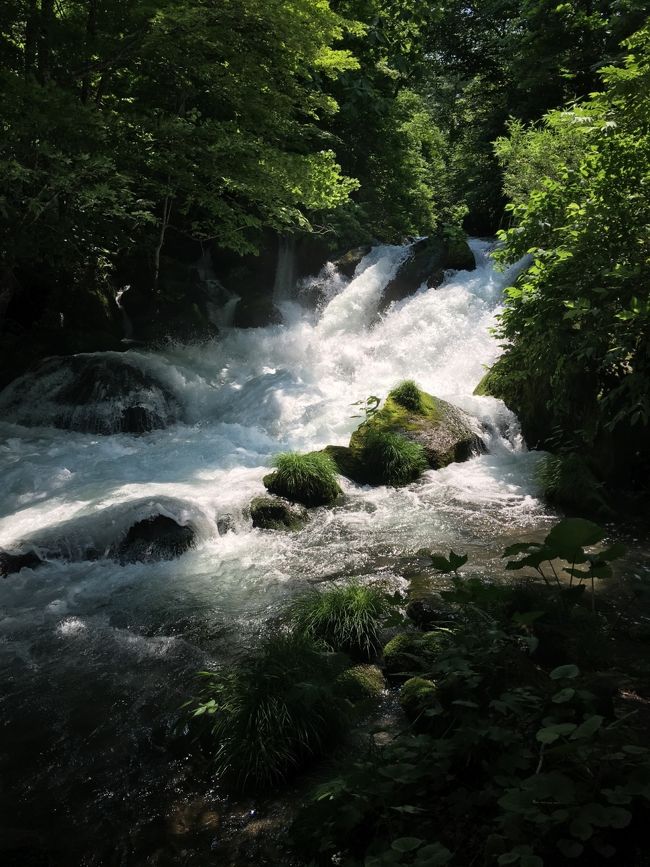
[(274, 711), (392, 459), (309, 479), (408, 395), (346, 618)]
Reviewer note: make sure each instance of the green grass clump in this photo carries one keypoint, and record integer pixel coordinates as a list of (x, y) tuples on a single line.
[(271, 713), (408, 395), (346, 618), (309, 479), (392, 459)]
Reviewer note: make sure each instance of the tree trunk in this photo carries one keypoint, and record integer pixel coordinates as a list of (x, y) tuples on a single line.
[(45, 40), (91, 34), (167, 210), (31, 38)]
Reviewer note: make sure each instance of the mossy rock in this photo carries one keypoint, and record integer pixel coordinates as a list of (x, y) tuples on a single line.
[(412, 651), (361, 683), (274, 513), (487, 386), (417, 695), (258, 312), (444, 431)]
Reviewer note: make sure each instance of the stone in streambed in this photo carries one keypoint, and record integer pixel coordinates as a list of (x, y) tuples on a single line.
[(274, 513), (10, 563), (155, 538)]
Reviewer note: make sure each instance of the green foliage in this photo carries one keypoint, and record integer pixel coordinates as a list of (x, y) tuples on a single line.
[(577, 322), (568, 541), (346, 618), (392, 459), (309, 479), (567, 481), (506, 765), (361, 683), (264, 717), (408, 395), (370, 406)]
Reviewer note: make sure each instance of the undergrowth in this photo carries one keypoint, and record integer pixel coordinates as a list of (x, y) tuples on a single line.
[(408, 395), (346, 618)]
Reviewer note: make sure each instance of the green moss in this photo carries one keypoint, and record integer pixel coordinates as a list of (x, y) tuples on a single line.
[(346, 618), (361, 683), (308, 479), (412, 651), (417, 695), (271, 513)]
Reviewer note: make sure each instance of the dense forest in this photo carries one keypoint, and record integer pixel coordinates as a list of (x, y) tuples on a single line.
[(227, 228)]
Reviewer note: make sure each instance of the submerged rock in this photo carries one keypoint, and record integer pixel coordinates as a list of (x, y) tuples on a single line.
[(426, 264), (256, 312), (100, 393), (274, 513), (347, 264), (155, 538), (445, 433), (12, 563)]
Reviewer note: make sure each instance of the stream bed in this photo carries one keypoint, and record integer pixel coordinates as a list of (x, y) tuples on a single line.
[(97, 657)]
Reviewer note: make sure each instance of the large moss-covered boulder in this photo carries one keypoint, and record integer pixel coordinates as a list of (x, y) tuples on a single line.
[(428, 260), (274, 513), (443, 432)]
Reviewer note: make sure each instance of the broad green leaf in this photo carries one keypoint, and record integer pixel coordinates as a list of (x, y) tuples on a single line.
[(565, 671), (406, 844)]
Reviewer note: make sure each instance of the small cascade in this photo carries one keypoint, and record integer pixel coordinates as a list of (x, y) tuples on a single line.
[(220, 302)]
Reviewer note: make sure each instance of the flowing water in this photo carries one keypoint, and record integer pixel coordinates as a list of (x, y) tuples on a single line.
[(95, 658)]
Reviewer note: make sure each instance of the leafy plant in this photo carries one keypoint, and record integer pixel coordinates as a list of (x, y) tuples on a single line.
[(309, 479), (567, 481), (369, 406), (392, 459), (407, 394), (567, 541), (446, 565), (267, 715), (346, 618)]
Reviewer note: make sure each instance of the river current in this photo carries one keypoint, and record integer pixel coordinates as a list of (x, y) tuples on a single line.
[(96, 657)]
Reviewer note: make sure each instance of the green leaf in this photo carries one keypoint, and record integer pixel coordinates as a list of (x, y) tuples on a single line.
[(440, 562), (457, 560), (581, 829), (588, 727), (568, 537), (406, 844), (550, 734), (564, 695), (565, 671)]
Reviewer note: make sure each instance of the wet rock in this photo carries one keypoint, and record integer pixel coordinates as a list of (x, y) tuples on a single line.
[(103, 393), (411, 652), (347, 264), (156, 538), (445, 432), (418, 695), (226, 524), (426, 264), (274, 513), (12, 563), (430, 611)]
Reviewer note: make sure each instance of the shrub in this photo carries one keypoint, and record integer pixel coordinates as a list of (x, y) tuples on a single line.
[(392, 459), (309, 479), (567, 481), (272, 712), (346, 618), (408, 395)]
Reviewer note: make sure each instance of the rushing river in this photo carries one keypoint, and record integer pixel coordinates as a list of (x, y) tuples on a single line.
[(95, 657)]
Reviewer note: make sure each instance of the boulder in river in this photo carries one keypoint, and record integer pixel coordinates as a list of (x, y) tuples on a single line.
[(155, 538), (443, 431), (427, 262), (348, 262), (100, 393), (12, 563), (274, 513)]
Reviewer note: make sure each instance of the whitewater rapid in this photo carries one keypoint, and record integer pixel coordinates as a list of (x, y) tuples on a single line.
[(129, 637)]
